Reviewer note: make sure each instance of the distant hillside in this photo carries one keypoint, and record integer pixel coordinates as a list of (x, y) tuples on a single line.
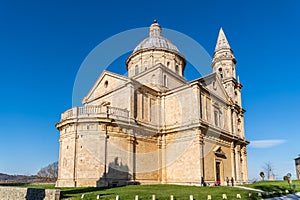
[(4, 176), (16, 179)]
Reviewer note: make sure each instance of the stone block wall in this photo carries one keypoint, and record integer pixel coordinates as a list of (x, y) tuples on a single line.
[(13, 193)]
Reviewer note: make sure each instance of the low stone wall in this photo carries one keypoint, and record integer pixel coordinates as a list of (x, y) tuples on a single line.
[(14, 193)]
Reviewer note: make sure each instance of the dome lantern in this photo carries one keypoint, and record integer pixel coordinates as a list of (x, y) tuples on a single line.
[(155, 30)]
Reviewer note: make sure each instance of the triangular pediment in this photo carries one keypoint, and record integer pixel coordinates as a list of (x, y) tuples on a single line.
[(214, 86), (219, 152), (106, 83), (153, 78)]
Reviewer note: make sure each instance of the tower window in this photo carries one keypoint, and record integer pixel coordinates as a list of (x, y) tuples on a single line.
[(220, 72), (168, 64), (106, 84), (136, 70), (177, 69)]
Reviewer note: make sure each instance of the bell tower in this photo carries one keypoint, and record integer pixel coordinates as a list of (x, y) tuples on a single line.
[(224, 65)]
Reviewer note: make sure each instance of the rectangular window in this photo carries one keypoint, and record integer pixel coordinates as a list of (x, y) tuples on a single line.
[(165, 81), (135, 102), (208, 110), (216, 113), (146, 112), (143, 107), (136, 70)]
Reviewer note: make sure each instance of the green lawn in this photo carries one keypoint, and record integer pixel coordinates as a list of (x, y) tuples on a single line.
[(275, 186), (163, 192)]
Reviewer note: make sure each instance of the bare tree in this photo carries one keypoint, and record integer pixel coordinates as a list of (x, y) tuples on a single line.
[(269, 170), (51, 171)]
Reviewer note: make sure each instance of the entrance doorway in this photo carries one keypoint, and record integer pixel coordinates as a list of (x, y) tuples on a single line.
[(218, 175)]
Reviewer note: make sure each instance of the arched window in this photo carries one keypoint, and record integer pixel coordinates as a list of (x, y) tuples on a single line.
[(177, 69), (221, 72), (136, 70)]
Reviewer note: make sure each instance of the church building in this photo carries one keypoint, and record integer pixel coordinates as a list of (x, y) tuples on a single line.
[(297, 164), (154, 126)]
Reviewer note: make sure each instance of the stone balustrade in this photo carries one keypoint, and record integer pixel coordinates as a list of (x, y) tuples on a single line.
[(96, 111)]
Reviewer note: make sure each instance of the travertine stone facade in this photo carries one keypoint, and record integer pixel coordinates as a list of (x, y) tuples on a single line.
[(154, 126), (297, 163)]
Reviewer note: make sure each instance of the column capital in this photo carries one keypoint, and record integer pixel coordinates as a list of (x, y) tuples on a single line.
[(131, 139), (244, 150)]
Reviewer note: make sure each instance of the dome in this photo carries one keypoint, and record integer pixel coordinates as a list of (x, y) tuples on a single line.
[(156, 41), (154, 50)]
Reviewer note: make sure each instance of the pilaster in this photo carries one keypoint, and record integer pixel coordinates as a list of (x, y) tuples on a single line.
[(163, 159), (233, 168), (132, 155), (238, 163), (245, 164), (201, 153)]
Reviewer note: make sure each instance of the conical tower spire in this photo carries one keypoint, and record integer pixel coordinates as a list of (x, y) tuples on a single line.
[(222, 42), (223, 65)]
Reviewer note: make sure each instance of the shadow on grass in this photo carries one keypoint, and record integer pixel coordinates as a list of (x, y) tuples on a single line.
[(77, 191), (80, 190), (268, 187), (13, 184)]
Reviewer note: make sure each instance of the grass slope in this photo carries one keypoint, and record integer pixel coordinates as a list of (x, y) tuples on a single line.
[(163, 192), (275, 186)]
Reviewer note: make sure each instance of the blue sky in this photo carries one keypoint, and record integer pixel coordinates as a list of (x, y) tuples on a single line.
[(43, 43)]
